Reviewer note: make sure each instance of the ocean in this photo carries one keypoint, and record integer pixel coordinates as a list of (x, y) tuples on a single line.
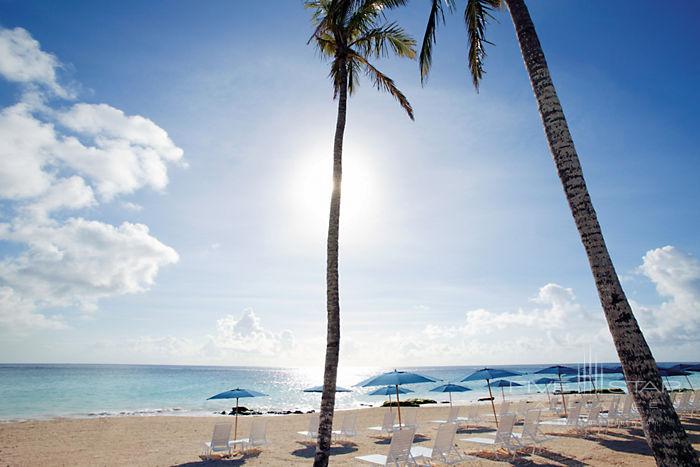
[(39, 391)]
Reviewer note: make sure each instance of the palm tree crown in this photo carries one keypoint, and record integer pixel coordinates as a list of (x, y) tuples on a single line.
[(350, 32)]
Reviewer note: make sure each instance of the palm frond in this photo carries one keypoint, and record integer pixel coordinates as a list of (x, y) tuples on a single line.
[(383, 83), (476, 15), (367, 12), (379, 41), (436, 16)]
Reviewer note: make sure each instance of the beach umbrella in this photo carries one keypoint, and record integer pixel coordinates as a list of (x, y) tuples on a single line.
[(488, 374), (237, 393), (388, 391), (666, 372), (546, 382), (450, 388), (686, 367), (559, 370), (396, 378), (320, 389), (502, 383)]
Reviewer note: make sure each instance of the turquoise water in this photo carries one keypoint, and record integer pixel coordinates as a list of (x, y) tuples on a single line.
[(47, 391)]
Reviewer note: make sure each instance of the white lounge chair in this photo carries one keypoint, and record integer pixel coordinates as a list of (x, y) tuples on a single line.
[(531, 435), (683, 404), (443, 451), (503, 408), (312, 432), (387, 427), (504, 438), (256, 438), (451, 417), (219, 440), (348, 427), (592, 421), (473, 417), (409, 419), (612, 415), (572, 420), (399, 451)]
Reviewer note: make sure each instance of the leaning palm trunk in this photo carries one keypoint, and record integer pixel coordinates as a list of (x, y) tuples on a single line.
[(662, 428), (325, 427)]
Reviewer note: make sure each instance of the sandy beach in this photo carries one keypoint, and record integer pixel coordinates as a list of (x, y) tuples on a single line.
[(177, 440)]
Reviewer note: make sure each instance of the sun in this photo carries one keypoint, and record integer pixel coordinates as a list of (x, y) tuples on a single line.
[(310, 193)]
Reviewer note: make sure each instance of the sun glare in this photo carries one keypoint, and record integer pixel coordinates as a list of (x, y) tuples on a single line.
[(311, 190)]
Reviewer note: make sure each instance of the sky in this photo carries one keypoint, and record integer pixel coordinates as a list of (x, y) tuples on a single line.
[(165, 173)]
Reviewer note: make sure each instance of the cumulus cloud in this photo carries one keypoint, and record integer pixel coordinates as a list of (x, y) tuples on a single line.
[(246, 334), (676, 276), (66, 158), (23, 61)]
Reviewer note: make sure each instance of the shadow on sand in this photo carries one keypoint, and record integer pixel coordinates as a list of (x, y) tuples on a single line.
[(309, 449), (231, 461)]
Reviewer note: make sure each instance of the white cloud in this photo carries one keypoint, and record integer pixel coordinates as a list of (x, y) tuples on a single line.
[(676, 276), (19, 314), (71, 158), (23, 61), (246, 334)]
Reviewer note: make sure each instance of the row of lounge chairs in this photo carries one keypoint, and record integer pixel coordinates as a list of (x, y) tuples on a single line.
[(585, 415)]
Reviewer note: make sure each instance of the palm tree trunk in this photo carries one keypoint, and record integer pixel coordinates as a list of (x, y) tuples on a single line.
[(325, 428), (662, 427)]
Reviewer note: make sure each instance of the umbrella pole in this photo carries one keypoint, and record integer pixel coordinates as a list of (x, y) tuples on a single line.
[(450, 399), (595, 391), (688, 379), (546, 388), (561, 389), (493, 406), (398, 405), (390, 403), (235, 423), (503, 395)]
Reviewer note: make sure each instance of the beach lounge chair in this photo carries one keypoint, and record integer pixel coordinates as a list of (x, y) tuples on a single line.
[(592, 421), (219, 440), (683, 404), (387, 427), (408, 419), (504, 438), (348, 427), (312, 432), (473, 417), (399, 451), (695, 402), (531, 435), (572, 420), (451, 417), (503, 408), (443, 451), (256, 438), (612, 414), (627, 416)]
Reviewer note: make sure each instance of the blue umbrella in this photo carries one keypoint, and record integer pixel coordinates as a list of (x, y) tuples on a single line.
[(666, 372), (320, 389), (396, 378), (388, 391), (502, 383), (450, 388), (237, 393), (546, 382), (488, 374), (559, 370)]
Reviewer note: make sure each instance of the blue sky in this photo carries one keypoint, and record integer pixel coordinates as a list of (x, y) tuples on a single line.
[(456, 244)]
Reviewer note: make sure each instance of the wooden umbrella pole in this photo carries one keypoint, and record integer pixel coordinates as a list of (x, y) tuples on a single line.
[(561, 389), (595, 391), (546, 388), (450, 399), (235, 424), (390, 411), (398, 405), (493, 406), (688, 379), (503, 395)]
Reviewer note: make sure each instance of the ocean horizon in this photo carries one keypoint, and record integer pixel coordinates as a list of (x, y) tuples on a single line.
[(46, 391)]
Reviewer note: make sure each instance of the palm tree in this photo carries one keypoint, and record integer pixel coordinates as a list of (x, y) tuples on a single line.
[(662, 428), (349, 33)]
